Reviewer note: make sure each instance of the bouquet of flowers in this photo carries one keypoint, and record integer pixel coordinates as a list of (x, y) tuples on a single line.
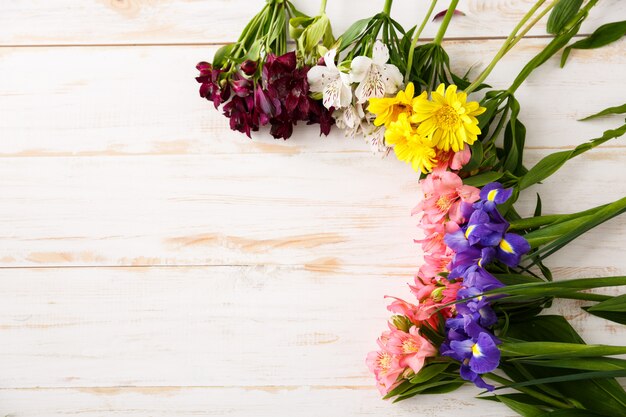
[(483, 282)]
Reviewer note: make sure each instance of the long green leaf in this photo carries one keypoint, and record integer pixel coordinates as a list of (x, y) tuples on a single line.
[(615, 304), (522, 408), (586, 364), (610, 110), (618, 317), (568, 378), (551, 163), (561, 350), (602, 36)]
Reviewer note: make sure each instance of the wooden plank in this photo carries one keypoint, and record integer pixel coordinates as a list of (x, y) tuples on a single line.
[(36, 22), (244, 402), (137, 101), (325, 211), (206, 327)]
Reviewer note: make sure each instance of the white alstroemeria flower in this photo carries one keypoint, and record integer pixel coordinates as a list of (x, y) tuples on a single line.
[(375, 77), (332, 83)]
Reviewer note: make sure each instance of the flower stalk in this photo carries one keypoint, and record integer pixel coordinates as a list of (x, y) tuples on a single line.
[(445, 22), (416, 38), (387, 8), (511, 40)]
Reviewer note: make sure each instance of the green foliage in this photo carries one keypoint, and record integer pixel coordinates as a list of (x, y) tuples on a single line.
[(610, 110), (602, 36), (563, 12)]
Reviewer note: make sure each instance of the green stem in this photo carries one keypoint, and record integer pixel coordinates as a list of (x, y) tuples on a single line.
[(323, 7), (545, 398), (532, 222), (387, 8), (416, 38), (531, 24), (504, 49), (445, 22), (553, 47)]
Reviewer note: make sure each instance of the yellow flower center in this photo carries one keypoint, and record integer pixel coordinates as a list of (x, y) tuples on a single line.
[(409, 346), (444, 203), (447, 117), (384, 361), (475, 350), (506, 246)]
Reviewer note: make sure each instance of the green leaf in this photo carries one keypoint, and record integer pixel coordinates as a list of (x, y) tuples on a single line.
[(222, 54), (579, 284), (611, 110), (561, 350), (608, 315), (581, 376), (562, 13), (614, 304), (551, 163), (602, 36), (581, 226), (572, 413), (522, 408), (429, 372), (353, 32), (586, 364), (482, 179)]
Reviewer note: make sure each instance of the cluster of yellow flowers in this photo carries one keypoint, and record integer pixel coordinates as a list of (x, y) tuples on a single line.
[(422, 129)]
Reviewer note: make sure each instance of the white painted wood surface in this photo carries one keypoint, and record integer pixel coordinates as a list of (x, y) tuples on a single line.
[(153, 263)]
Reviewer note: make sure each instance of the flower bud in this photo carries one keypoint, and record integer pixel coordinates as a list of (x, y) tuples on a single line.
[(248, 67)]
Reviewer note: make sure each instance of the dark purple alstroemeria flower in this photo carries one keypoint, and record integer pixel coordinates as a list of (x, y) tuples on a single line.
[(249, 67), (211, 87), (287, 83), (240, 111)]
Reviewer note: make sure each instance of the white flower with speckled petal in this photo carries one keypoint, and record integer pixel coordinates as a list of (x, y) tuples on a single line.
[(375, 76), (332, 83)]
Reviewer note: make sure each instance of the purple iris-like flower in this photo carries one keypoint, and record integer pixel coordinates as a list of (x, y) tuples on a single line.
[(491, 195), (483, 230), (478, 356), (478, 307), (468, 258), (511, 248), (479, 278)]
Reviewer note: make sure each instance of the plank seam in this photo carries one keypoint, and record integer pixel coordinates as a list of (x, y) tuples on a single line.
[(138, 44)]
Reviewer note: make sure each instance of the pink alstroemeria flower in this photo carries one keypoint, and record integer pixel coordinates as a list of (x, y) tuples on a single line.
[(411, 348), (453, 160), (444, 194), (385, 365)]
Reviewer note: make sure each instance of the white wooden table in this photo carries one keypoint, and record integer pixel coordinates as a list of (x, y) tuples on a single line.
[(154, 263)]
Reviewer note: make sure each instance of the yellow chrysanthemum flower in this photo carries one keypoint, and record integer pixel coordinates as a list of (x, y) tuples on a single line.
[(388, 109), (409, 145), (448, 121)]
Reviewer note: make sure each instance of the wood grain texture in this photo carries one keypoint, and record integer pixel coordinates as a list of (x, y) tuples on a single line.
[(154, 263), (132, 22), (204, 326), (325, 210), (233, 402)]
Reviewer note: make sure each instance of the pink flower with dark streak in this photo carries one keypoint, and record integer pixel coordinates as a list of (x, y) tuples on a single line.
[(411, 348), (444, 197), (384, 365)]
